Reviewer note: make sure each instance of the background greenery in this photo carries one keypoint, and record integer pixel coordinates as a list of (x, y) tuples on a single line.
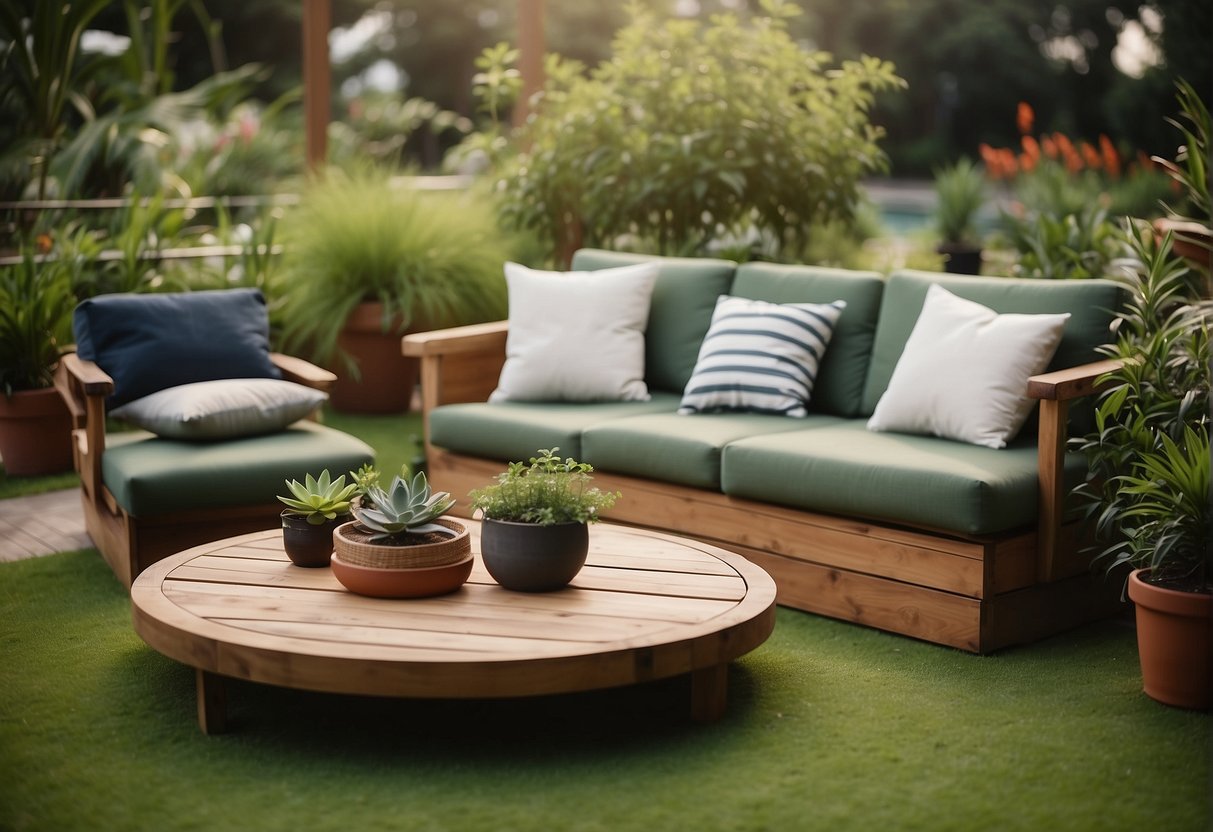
[(830, 726)]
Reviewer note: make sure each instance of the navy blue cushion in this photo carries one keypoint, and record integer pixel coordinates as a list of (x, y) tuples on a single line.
[(148, 343)]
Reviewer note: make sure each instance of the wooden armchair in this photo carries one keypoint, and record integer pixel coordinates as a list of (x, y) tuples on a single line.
[(147, 496)]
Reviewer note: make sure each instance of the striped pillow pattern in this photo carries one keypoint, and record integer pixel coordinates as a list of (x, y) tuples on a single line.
[(760, 357)]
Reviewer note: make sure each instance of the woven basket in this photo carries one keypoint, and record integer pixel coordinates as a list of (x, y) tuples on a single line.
[(351, 548)]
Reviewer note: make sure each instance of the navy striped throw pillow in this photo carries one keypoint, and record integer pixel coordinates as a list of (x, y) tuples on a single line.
[(760, 357)]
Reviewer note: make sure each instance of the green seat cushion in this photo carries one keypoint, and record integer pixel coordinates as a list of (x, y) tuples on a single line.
[(149, 476), (677, 448), (840, 379), (1090, 303), (681, 309), (515, 430), (916, 480)]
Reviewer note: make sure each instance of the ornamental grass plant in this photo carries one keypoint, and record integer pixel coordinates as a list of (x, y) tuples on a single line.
[(432, 259)]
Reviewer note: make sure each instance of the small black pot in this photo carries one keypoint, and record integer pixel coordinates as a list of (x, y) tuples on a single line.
[(306, 544), (531, 558), (960, 258)]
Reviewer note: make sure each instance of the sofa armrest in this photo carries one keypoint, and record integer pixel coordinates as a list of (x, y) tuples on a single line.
[(460, 364), (1055, 391)]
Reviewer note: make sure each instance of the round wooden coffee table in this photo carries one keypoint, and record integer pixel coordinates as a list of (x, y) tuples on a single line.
[(646, 606)]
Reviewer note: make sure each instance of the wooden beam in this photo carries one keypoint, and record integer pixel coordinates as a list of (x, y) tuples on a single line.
[(317, 20)]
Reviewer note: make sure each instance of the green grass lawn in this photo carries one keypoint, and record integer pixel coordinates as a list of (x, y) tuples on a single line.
[(830, 726)]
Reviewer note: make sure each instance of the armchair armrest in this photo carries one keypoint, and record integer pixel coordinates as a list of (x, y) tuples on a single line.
[(84, 386), (1055, 391), (303, 372), (460, 364)]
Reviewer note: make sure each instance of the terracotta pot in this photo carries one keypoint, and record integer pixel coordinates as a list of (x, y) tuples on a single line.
[(35, 433), (307, 544), (402, 583), (1173, 642), (1192, 240), (527, 557), (386, 378)]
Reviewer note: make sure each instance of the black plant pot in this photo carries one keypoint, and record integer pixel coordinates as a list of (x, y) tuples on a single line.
[(306, 544), (959, 258), (530, 558)]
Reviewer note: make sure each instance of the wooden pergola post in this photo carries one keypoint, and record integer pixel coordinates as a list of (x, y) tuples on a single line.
[(317, 20), (530, 55)]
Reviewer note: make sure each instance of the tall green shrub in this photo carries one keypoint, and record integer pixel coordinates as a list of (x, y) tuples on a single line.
[(694, 130)]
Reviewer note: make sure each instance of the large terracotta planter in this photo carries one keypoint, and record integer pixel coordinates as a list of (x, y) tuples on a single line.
[(35, 433), (1173, 642), (386, 378)]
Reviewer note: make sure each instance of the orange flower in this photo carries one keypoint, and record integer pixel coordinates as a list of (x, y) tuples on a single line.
[(1031, 148), (1027, 162), (1050, 147), (1008, 161), (1111, 159), (1091, 156), (43, 243), (1024, 117)]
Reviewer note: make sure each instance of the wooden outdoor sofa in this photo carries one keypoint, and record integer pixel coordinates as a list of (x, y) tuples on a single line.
[(927, 537)]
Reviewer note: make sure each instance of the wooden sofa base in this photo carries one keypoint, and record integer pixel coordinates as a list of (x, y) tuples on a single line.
[(130, 545), (977, 594)]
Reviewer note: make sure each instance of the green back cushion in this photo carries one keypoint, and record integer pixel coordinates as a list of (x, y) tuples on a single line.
[(1089, 302), (683, 300), (839, 386)]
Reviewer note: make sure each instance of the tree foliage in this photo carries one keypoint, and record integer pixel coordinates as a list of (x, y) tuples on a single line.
[(691, 131)]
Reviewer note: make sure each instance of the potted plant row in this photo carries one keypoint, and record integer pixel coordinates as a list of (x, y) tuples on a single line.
[(534, 536)]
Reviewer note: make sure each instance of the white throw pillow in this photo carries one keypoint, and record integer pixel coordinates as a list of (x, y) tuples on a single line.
[(576, 336), (760, 357), (964, 371), (222, 409)]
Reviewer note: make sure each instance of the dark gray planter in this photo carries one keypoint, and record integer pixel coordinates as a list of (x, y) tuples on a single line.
[(530, 558), (308, 545)]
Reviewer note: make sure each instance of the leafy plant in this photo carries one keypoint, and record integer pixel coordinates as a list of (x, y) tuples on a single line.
[(960, 189), (36, 304), (406, 507), (1051, 245), (319, 499), (365, 477), (432, 259), (546, 491), (1147, 489), (694, 130)]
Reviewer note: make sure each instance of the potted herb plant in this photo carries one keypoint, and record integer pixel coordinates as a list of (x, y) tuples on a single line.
[(960, 190), (399, 544), (316, 507), (36, 304), (366, 262), (535, 534), (1148, 482)]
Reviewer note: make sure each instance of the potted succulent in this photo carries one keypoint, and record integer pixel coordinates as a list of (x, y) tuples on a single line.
[(399, 544), (36, 304), (960, 190), (369, 261), (316, 507), (1148, 482), (535, 536)]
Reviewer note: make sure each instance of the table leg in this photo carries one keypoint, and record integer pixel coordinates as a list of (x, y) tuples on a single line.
[(709, 692), (212, 702)]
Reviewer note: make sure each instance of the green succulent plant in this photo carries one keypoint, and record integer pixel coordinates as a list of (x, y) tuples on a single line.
[(319, 498), (407, 505)]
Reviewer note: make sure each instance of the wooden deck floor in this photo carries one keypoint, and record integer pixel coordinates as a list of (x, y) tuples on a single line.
[(41, 525)]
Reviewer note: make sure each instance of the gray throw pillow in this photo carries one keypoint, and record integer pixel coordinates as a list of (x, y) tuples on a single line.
[(222, 409)]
